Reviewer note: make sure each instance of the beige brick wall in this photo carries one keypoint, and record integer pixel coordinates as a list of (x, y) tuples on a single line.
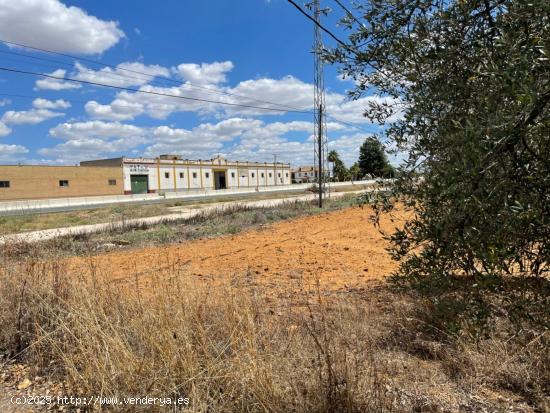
[(39, 182)]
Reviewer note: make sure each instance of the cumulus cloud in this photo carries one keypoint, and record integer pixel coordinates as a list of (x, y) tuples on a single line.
[(124, 75), (287, 92), (119, 109), (201, 141), (76, 150), (32, 116), (56, 84), (93, 139), (354, 110), (96, 129), (4, 130), (50, 24), (12, 153), (205, 73), (237, 138), (41, 103)]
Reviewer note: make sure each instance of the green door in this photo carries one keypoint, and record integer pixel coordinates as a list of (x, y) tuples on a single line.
[(139, 184)]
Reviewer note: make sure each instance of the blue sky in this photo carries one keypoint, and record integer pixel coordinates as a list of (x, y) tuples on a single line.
[(255, 49)]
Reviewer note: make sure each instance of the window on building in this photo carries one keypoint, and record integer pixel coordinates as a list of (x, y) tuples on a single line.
[(232, 174), (263, 175), (207, 175), (279, 174), (287, 174), (63, 183), (194, 174), (112, 182), (181, 175), (253, 175), (4, 184), (270, 175), (167, 174)]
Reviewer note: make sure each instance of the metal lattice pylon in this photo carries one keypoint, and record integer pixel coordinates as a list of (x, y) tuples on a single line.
[(320, 161)]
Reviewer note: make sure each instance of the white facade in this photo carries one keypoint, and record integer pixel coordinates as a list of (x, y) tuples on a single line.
[(304, 174), (167, 175)]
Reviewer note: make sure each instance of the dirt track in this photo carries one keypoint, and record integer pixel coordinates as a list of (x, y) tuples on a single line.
[(342, 249)]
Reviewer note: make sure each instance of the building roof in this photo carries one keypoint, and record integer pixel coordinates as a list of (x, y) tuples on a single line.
[(218, 160)]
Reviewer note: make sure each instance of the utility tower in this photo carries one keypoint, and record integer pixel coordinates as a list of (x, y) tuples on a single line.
[(319, 117)]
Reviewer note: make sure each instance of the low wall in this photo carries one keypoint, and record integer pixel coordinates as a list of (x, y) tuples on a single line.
[(37, 204), (29, 206)]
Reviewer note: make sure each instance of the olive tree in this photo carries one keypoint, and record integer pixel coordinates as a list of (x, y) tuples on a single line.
[(464, 91)]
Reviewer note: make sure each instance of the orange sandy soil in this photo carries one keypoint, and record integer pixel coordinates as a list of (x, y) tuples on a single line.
[(343, 250)]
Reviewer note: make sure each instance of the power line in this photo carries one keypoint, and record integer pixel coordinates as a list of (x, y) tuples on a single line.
[(119, 105), (138, 78), (343, 122), (168, 79), (129, 89), (320, 145), (71, 65), (346, 46), (323, 28), (116, 105), (349, 12)]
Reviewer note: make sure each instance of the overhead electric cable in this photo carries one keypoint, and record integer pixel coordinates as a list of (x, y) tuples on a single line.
[(150, 92), (119, 105), (346, 46), (349, 13), (323, 28), (165, 78)]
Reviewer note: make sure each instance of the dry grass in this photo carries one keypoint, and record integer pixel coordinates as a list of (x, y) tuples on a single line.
[(208, 224), (39, 221), (234, 349)]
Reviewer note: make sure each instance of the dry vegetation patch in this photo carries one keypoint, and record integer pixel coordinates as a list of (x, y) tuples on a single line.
[(239, 340)]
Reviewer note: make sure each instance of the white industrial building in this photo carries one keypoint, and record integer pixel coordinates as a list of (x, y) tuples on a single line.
[(171, 173), (304, 174)]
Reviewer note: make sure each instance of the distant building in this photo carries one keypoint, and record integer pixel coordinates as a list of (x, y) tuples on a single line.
[(172, 173), (304, 174), (40, 181), (117, 176)]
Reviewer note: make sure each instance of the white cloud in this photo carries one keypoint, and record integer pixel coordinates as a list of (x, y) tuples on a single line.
[(96, 129), (4, 102), (76, 150), (119, 109), (238, 138), (287, 92), (12, 153), (31, 116), (93, 139), (56, 84), (200, 142), (124, 75), (50, 24), (353, 110), (4, 130), (347, 146), (205, 73), (41, 103)]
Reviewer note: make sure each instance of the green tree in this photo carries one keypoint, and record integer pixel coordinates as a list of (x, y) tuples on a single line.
[(355, 172), (464, 88), (373, 160), (340, 171)]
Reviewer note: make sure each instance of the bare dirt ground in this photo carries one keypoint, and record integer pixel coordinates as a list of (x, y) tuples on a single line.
[(342, 250)]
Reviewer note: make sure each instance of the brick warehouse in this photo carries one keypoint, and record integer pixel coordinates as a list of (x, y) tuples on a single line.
[(117, 176)]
